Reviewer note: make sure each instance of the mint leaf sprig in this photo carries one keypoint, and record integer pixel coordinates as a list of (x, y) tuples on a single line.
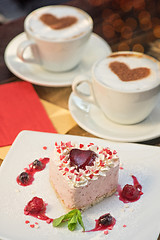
[(72, 218)]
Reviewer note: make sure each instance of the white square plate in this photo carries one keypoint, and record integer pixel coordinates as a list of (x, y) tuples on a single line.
[(141, 218)]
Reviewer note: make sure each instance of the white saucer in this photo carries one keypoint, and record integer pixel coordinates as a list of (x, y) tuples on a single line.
[(92, 119), (97, 48)]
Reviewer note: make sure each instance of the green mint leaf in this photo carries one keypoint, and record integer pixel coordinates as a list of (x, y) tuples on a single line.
[(72, 223), (72, 217), (70, 214), (58, 221), (80, 220)]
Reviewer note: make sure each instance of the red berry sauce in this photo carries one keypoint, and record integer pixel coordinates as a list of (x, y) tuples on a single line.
[(27, 176), (130, 193), (37, 208), (105, 222)]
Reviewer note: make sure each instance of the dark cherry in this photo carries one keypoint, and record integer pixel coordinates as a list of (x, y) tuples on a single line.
[(37, 165), (105, 220), (24, 177), (81, 158), (36, 205), (130, 192)]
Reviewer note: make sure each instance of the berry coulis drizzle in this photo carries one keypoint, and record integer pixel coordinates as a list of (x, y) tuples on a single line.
[(37, 208), (130, 193), (27, 176)]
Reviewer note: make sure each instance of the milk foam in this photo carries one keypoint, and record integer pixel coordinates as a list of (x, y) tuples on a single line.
[(105, 75), (83, 25)]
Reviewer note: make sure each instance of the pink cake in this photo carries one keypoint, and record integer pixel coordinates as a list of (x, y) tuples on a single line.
[(83, 175)]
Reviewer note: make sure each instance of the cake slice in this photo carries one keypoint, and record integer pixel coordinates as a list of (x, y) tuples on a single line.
[(83, 175)]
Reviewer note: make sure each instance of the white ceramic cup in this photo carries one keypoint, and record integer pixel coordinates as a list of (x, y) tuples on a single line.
[(54, 46), (123, 101)]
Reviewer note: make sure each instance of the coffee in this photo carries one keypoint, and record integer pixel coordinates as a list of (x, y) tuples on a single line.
[(125, 86), (128, 72), (57, 36), (59, 22)]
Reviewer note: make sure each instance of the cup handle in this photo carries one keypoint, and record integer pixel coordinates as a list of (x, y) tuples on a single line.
[(22, 48), (86, 97)]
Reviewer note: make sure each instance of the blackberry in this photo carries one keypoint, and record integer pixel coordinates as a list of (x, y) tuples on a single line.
[(105, 220), (24, 177), (37, 165)]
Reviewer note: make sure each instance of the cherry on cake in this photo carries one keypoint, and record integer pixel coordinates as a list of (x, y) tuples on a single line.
[(83, 175)]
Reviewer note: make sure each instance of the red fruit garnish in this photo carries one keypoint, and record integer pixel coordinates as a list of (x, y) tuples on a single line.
[(130, 192), (27, 177), (38, 165), (35, 206), (81, 158), (105, 220), (24, 177)]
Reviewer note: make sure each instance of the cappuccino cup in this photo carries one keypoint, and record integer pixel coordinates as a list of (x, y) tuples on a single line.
[(124, 85), (57, 36)]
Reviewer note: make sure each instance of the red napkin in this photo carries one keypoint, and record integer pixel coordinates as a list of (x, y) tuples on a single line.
[(21, 109)]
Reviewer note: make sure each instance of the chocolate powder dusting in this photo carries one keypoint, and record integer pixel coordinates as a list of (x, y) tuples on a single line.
[(57, 23), (126, 74)]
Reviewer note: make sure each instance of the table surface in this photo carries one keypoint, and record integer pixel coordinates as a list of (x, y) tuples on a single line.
[(139, 39)]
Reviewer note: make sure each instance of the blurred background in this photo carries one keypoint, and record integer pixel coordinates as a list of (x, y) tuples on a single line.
[(126, 24), (12, 9)]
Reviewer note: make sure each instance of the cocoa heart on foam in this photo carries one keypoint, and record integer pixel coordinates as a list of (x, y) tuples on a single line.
[(57, 23), (123, 71), (81, 158)]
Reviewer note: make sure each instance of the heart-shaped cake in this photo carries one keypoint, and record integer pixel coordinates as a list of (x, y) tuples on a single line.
[(83, 174), (57, 23), (123, 71)]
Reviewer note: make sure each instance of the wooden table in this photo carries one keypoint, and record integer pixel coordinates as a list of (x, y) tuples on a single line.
[(135, 39)]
